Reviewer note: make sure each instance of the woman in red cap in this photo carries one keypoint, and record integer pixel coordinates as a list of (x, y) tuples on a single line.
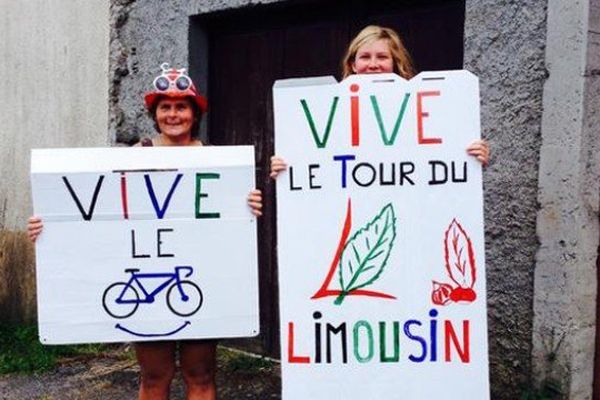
[(176, 107)]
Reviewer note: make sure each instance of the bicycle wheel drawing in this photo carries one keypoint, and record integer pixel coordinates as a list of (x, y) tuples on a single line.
[(124, 292), (184, 306)]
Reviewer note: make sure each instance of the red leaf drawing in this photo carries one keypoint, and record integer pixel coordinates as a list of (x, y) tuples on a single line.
[(459, 256), (440, 294)]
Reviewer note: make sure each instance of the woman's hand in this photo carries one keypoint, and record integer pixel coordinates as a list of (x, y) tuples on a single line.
[(480, 149), (277, 166), (34, 228), (255, 202)]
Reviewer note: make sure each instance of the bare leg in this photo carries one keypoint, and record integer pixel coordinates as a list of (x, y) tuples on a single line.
[(198, 363), (157, 368)]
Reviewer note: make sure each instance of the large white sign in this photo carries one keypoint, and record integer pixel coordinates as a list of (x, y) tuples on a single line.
[(380, 238), (145, 243)]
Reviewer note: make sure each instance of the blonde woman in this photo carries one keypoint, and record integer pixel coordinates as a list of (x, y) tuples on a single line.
[(378, 50)]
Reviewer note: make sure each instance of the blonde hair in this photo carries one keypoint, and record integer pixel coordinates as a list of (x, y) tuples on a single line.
[(403, 64)]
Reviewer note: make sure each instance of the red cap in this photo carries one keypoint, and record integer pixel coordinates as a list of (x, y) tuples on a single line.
[(174, 83)]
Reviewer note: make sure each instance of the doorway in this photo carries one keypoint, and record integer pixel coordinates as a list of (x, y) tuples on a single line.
[(246, 50)]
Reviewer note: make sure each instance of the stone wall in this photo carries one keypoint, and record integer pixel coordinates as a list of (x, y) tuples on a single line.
[(566, 276), (504, 46)]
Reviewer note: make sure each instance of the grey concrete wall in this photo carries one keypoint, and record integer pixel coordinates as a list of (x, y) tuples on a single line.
[(54, 86), (504, 45), (565, 278)]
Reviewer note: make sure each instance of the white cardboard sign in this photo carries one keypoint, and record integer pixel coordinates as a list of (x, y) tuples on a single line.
[(148, 243), (380, 238)]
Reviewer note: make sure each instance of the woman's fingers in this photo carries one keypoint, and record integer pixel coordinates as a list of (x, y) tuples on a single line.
[(34, 228), (255, 202), (480, 149), (277, 166)]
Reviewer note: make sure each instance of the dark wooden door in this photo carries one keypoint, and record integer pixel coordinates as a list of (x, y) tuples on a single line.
[(251, 48)]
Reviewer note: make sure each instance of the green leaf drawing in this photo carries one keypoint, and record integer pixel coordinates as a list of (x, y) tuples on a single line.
[(366, 253)]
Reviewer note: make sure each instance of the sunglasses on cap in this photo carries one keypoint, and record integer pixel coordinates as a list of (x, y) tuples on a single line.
[(172, 79), (174, 82)]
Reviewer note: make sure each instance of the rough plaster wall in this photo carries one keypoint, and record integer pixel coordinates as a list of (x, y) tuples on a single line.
[(565, 280), (504, 46), (144, 34), (53, 81)]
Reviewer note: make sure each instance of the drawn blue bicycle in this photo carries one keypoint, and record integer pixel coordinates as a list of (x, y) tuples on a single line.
[(184, 298)]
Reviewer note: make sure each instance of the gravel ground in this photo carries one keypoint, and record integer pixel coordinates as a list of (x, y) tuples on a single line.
[(114, 375)]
